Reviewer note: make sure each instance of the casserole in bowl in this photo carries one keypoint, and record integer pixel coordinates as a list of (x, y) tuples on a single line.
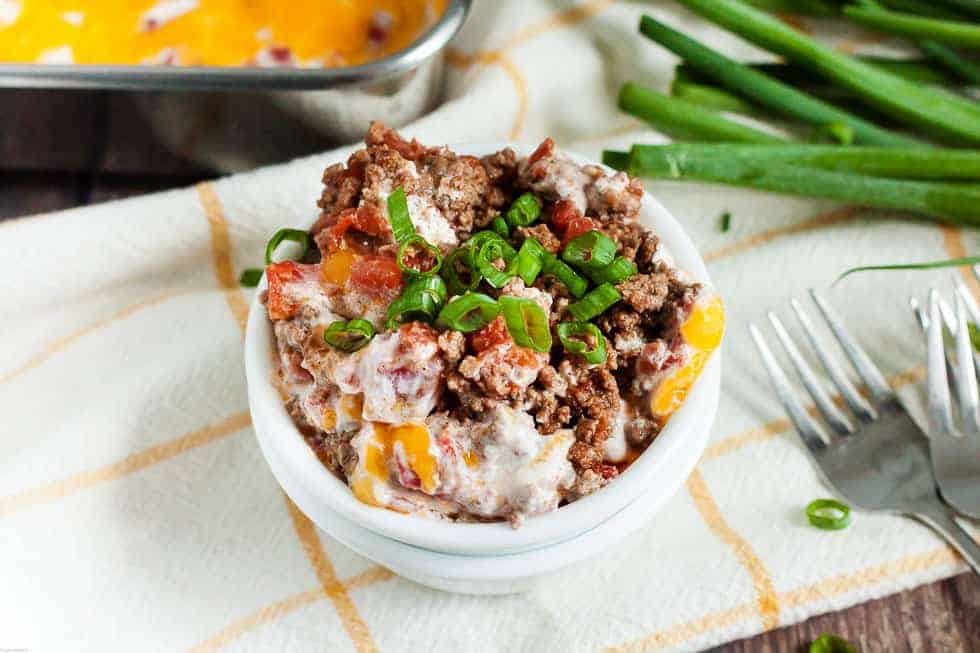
[(278, 431)]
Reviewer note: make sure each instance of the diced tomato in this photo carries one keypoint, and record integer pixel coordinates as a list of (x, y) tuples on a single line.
[(577, 227), (283, 303), (562, 213), (365, 219), (378, 276), (545, 149), (490, 335)]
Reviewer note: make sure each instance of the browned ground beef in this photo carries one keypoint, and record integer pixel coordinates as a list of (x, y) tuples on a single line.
[(566, 393)]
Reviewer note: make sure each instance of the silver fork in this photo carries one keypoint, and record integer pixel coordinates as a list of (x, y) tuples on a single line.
[(877, 457), (955, 450)]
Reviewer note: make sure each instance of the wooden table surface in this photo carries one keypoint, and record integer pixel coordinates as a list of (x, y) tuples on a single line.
[(64, 149)]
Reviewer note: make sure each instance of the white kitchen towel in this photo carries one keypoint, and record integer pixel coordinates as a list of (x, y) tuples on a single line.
[(137, 514)]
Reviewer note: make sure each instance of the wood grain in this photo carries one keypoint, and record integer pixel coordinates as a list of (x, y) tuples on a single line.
[(60, 150)]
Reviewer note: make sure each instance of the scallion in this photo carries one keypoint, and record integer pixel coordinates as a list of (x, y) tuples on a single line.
[(499, 227), (469, 312), (524, 211), (592, 250), (459, 270), (489, 253), (527, 322), (557, 268), (349, 335), (417, 256), (726, 222), (293, 235), (616, 272), (595, 302), (401, 222), (584, 339), (431, 284), (530, 260), (831, 644), (828, 514), (251, 277)]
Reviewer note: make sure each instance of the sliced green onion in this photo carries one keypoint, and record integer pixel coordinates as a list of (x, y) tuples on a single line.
[(251, 277), (499, 227), (491, 251), (557, 268), (524, 211), (590, 251), (527, 322), (414, 307), (431, 284), (832, 644), (726, 222), (618, 271), (348, 336), (469, 312), (828, 514), (584, 339), (401, 222), (530, 260), (477, 240), (411, 247), (595, 302), (293, 235), (459, 270), (616, 159)]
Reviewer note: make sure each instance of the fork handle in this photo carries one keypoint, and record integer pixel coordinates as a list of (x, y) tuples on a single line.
[(941, 519)]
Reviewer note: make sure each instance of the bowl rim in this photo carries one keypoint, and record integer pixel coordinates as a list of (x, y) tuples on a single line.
[(242, 78), (275, 429)]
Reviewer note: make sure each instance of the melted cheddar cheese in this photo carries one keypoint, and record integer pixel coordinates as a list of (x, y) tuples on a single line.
[(211, 32), (413, 445), (702, 331)]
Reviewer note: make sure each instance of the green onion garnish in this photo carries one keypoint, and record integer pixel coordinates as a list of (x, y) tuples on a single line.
[(420, 301), (554, 266), (590, 251), (348, 336), (726, 222), (459, 270), (251, 277), (584, 339), (499, 227), (618, 271), (429, 283), (477, 240), (401, 222), (527, 322), (490, 251), (530, 260), (417, 256), (832, 644), (595, 302), (469, 312), (293, 235), (828, 514), (524, 211)]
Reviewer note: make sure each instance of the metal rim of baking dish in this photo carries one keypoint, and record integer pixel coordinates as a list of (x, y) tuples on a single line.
[(229, 78)]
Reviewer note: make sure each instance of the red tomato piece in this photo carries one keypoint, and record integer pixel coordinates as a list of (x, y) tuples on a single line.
[(577, 227), (365, 219), (377, 276), (545, 149), (562, 213), (283, 302), (492, 334)]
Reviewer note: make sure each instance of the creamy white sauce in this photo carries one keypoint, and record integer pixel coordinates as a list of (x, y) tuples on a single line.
[(615, 445), (9, 12), (57, 56), (164, 12), (429, 221)]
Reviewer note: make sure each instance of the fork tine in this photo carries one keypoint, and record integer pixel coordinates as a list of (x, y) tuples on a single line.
[(940, 417), (972, 310), (813, 385), (880, 390), (852, 397), (923, 320), (966, 375), (812, 435)]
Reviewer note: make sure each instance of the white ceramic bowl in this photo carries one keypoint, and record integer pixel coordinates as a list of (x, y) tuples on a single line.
[(300, 470)]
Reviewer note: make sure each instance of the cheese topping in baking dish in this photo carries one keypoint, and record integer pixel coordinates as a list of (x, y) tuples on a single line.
[(311, 33)]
